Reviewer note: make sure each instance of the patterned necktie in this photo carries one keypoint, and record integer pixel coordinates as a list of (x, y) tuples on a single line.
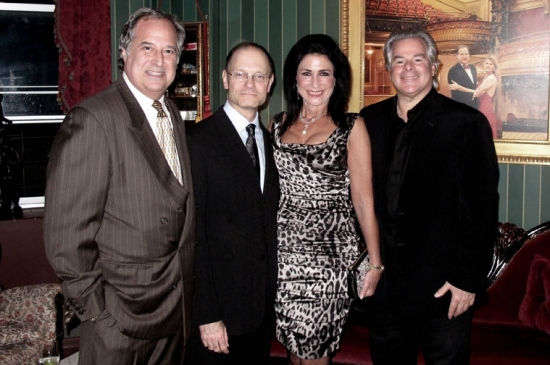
[(165, 137), (252, 148)]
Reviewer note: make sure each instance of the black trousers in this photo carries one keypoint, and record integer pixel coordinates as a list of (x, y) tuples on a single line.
[(396, 338), (248, 349)]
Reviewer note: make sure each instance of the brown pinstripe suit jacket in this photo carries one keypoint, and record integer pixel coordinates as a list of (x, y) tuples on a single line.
[(119, 229)]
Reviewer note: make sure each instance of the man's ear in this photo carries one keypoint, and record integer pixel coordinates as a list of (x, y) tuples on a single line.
[(123, 54), (224, 79), (270, 82)]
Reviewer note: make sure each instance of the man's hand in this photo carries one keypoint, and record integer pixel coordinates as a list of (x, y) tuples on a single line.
[(460, 301), (214, 337)]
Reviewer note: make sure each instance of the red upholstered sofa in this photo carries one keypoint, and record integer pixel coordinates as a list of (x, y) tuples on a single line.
[(498, 335)]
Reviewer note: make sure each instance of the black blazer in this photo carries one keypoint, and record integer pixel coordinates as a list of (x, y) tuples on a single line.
[(448, 200), (236, 252), (459, 76)]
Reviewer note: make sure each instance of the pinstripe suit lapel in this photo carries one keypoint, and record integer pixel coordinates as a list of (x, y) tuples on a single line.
[(147, 142)]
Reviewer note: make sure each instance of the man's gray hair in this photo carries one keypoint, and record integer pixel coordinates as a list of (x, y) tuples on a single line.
[(128, 31), (413, 33)]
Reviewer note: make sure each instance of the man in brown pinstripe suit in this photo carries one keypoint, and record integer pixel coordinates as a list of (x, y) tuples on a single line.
[(119, 225)]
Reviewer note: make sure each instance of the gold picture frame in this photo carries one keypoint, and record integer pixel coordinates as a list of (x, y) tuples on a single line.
[(352, 42)]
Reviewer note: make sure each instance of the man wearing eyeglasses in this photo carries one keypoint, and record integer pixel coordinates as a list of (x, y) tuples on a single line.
[(236, 189)]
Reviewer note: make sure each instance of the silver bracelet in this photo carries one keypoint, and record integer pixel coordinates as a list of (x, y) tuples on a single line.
[(374, 267)]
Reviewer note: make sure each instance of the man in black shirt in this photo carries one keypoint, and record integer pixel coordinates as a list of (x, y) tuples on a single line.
[(435, 177)]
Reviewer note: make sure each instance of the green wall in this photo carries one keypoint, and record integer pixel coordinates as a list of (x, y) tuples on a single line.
[(524, 194), (277, 24)]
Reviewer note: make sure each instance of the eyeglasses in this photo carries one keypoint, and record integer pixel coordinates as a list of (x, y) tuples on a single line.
[(243, 76)]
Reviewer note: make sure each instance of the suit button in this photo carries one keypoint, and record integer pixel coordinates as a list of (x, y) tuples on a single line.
[(196, 243), (164, 221), (262, 257), (174, 286)]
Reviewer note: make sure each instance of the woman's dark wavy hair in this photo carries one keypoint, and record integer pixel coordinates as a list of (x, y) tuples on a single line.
[(323, 45)]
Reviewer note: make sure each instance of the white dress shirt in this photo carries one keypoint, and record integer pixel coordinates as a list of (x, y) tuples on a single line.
[(469, 72), (146, 104), (240, 123)]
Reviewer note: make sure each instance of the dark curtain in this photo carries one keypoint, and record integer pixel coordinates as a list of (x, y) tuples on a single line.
[(83, 36)]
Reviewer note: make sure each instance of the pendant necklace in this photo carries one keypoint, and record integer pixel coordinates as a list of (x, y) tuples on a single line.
[(308, 122)]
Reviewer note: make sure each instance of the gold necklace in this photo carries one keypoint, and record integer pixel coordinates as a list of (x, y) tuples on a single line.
[(311, 120)]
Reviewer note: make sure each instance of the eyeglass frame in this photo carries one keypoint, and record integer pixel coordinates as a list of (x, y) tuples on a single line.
[(245, 76)]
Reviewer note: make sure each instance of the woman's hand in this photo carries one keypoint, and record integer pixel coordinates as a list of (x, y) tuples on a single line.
[(369, 285)]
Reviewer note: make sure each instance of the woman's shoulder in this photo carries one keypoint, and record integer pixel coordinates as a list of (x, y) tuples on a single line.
[(279, 117), (492, 78), (351, 118), (276, 122), (345, 126)]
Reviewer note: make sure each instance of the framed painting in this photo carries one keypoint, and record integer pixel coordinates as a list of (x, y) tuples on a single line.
[(507, 45)]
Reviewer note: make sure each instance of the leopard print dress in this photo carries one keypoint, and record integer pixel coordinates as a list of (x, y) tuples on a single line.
[(317, 241)]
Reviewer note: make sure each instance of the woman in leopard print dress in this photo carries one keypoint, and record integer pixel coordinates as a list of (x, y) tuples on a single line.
[(323, 158)]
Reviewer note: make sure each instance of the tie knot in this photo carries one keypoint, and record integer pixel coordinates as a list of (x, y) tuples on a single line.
[(250, 129), (466, 66), (158, 106)]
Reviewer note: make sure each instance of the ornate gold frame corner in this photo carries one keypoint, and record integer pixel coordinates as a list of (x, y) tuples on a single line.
[(352, 40)]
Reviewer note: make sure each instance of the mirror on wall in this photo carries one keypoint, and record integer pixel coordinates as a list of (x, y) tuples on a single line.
[(377, 85)]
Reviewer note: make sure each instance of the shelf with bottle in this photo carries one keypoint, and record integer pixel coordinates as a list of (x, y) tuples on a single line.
[(188, 69), (190, 90), (183, 91)]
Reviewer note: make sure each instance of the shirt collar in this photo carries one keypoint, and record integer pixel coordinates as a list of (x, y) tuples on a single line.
[(418, 108), (144, 101), (237, 119), (422, 104)]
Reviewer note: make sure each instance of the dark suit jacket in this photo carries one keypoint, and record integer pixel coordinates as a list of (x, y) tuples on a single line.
[(459, 75), (448, 201), (236, 253), (119, 228)]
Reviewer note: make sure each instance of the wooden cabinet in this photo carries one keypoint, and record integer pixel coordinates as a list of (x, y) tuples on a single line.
[(190, 89)]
